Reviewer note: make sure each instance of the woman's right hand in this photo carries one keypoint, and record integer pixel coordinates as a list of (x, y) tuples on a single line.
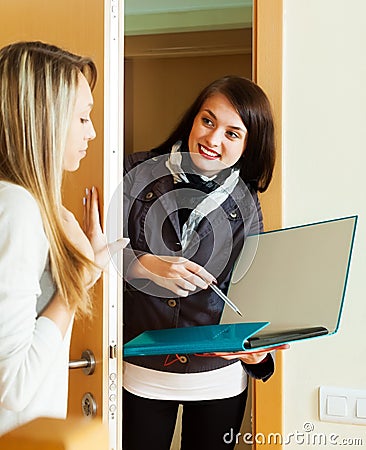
[(178, 274)]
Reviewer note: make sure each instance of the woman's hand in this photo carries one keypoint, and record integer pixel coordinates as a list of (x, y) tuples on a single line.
[(93, 229), (250, 357), (76, 235), (102, 251), (177, 274)]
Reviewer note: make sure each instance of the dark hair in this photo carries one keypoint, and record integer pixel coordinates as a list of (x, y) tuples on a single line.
[(251, 103)]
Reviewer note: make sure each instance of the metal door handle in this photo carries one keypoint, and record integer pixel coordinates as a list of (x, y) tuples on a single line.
[(87, 362)]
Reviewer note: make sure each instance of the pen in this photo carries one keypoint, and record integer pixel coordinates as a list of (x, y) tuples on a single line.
[(226, 299)]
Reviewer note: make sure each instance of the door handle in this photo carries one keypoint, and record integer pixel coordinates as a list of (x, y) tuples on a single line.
[(87, 362)]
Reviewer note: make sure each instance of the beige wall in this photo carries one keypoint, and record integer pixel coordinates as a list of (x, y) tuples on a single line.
[(324, 162)]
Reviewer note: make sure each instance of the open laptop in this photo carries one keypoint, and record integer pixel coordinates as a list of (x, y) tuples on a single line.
[(294, 278)]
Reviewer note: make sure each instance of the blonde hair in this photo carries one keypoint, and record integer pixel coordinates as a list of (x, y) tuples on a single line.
[(38, 85)]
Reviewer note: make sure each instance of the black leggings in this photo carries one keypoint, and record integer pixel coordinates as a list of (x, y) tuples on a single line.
[(208, 424)]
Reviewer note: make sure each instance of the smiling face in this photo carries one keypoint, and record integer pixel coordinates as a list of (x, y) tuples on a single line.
[(218, 136), (81, 128)]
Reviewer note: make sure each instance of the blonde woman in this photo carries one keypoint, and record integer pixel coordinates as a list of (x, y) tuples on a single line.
[(47, 263)]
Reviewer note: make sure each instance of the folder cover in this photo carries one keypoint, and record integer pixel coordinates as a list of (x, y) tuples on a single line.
[(188, 340), (293, 280)]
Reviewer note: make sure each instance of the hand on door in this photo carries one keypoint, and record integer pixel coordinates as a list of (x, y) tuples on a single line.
[(103, 250), (75, 233)]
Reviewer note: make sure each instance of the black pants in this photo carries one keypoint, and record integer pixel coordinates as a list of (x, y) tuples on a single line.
[(208, 424)]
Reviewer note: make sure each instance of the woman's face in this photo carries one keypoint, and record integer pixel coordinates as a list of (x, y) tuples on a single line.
[(81, 129), (218, 136)]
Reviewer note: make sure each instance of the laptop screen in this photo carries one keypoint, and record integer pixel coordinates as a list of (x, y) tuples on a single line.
[(295, 278)]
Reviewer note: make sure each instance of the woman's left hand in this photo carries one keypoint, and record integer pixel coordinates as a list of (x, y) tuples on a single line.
[(93, 230), (250, 357)]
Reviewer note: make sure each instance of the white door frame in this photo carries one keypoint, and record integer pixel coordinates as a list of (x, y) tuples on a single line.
[(113, 172)]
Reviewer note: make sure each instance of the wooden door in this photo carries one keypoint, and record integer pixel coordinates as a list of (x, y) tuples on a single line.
[(87, 27)]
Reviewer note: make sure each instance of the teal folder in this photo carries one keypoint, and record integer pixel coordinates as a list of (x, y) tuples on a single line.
[(292, 280), (188, 340)]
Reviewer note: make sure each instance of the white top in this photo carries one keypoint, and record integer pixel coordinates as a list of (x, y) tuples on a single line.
[(33, 354), (225, 382)]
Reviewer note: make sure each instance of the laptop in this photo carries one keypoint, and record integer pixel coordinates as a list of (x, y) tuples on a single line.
[(295, 279)]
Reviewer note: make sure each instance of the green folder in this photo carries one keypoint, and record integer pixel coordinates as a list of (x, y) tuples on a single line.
[(189, 340)]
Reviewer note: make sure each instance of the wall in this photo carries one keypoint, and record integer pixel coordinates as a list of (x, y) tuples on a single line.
[(324, 161), (146, 6), (164, 16)]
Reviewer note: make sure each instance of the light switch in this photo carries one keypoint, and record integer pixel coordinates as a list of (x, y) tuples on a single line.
[(336, 406), (342, 404), (361, 408)]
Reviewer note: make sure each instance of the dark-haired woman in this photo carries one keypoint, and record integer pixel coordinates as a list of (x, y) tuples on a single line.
[(188, 206)]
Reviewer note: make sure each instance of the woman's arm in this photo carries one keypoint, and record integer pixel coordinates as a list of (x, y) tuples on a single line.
[(59, 313), (258, 364), (28, 345)]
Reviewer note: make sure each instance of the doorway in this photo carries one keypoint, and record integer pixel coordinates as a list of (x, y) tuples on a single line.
[(168, 64)]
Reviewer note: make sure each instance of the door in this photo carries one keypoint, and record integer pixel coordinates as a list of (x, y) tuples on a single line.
[(99, 393), (88, 27)]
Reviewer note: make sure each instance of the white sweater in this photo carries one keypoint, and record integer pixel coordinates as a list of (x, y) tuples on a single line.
[(33, 354)]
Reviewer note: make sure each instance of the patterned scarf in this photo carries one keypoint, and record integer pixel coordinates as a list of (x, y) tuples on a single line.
[(215, 196)]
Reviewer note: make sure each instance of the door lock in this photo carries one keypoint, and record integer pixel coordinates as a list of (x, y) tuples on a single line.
[(87, 362), (89, 405)]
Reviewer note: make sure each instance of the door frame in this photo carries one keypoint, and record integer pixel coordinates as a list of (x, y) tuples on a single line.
[(267, 72), (113, 177)]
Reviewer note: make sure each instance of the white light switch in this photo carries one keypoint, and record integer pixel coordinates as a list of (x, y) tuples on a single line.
[(336, 406), (344, 405), (361, 408)]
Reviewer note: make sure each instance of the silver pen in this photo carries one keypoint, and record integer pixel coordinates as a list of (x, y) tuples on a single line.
[(226, 299)]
